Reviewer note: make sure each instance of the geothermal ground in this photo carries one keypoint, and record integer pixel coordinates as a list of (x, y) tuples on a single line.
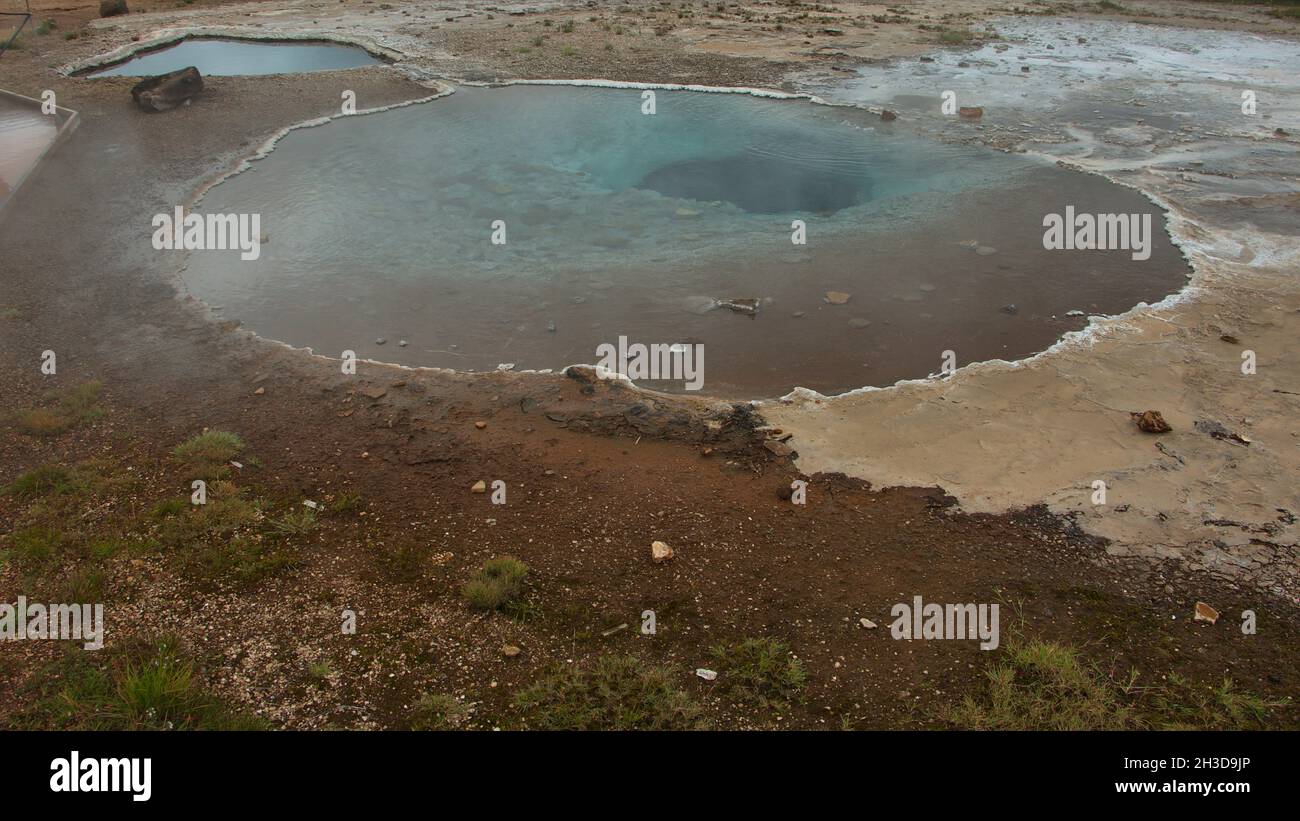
[(978, 486)]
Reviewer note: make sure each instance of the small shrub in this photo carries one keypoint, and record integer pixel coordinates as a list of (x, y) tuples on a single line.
[(611, 693), (760, 671), (499, 582)]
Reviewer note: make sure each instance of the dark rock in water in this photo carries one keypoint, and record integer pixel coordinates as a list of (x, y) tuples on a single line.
[(112, 8), (970, 112), (748, 306), (166, 91), (887, 115)]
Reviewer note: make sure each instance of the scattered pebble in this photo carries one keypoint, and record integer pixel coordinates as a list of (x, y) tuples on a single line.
[(1205, 613), (660, 552)]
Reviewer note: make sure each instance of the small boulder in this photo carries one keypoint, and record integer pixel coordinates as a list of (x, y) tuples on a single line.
[(112, 8), (970, 112), (660, 552), (479, 487), (167, 91), (1150, 422), (837, 297), (887, 115)]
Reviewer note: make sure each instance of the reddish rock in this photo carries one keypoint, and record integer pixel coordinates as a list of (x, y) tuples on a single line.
[(1150, 422)]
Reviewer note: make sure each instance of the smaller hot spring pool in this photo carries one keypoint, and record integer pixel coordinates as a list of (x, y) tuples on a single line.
[(222, 57)]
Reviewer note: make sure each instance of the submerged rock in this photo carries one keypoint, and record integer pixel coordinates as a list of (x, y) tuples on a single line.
[(167, 91), (970, 112), (748, 306)]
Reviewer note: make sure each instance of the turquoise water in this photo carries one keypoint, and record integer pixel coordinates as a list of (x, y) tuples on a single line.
[(220, 57), (618, 222), (573, 174)]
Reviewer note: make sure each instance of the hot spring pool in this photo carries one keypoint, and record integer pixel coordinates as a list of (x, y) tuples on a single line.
[(624, 224), (215, 57)]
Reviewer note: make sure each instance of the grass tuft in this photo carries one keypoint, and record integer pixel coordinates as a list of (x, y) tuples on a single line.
[(439, 712), (150, 685), (46, 480), (1043, 685), (611, 693), (760, 671), (64, 410), (208, 455), (496, 585)]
